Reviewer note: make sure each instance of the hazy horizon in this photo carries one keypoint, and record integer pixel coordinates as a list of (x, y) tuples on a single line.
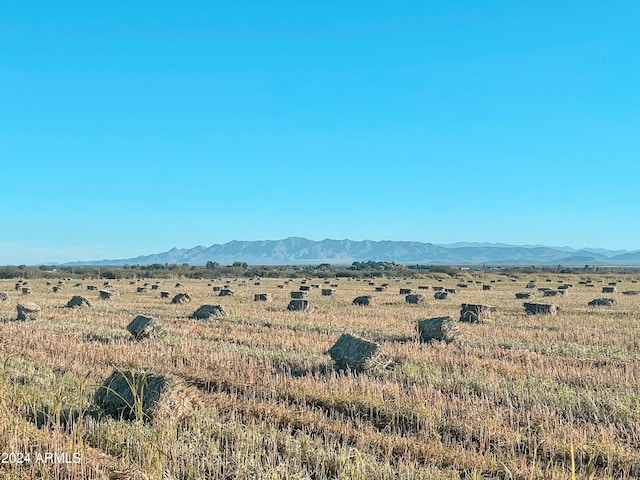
[(128, 129)]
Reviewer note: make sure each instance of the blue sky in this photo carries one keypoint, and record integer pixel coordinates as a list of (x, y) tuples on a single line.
[(129, 128)]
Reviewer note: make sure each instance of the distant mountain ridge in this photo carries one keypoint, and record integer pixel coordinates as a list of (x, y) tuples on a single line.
[(297, 250)]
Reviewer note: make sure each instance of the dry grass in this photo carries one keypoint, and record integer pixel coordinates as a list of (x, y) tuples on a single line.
[(510, 399)]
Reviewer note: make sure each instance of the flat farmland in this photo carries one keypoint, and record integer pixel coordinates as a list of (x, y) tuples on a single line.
[(514, 397)]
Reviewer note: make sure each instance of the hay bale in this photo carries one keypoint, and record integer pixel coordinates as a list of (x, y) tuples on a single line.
[(440, 295), (4, 296), (523, 295), (78, 301), (298, 295), (142, 395), (262, 297), (363, 300), (605, 302), (540, 308), (225, 292), (164, 294), (405, 291), (298, 305), (609, 289), (27, 311), (351, 352), (475, 313), (415, 298), (144, 327), (439, 328), (105, 294), (180, 298), (207, 311), (327, 292)]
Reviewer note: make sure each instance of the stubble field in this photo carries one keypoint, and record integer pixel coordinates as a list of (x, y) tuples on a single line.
[(520, 397)]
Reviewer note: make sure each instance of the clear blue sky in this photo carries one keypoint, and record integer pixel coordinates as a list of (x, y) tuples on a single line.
[(128, 128)]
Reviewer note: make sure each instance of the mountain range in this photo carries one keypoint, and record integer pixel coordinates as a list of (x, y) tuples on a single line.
[(296, 251)]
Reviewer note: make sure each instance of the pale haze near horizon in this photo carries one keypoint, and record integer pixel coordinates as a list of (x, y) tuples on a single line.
[(128, 129)]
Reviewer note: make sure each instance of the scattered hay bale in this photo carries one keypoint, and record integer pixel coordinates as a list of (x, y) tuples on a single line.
[(105, 294), (540, 308), (415, 298), (626, 292), (440, 295), (27, 311), (405, 291), (351, 352), (362, 301), (262, 297), (605, 302), (180, 298), (298, 305), (439, 328), (523, 295), (207, 311), (475, 313), (144, 326), (164, 294), (327, 292), (609, 289), (142, 395), (225, 292), (4, 296), (298, 295), (78, 301)]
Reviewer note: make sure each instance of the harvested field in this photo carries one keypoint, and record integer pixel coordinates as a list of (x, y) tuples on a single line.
[(507, 399)]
